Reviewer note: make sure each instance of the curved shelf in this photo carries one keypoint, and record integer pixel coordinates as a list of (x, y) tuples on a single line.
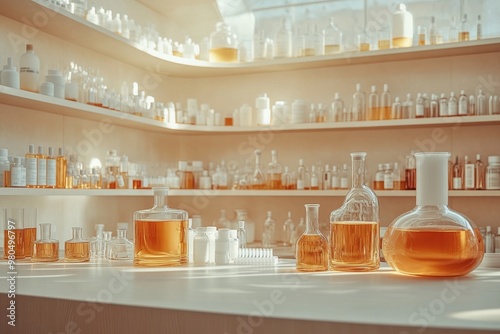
[(34, 101), (58, 22), (225, 193)]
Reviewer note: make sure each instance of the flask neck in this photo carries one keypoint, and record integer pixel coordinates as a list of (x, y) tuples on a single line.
[(358, 172), (432, 178), (312, 213), (77, 233), (160, 200), (121, 234), (45, 231)]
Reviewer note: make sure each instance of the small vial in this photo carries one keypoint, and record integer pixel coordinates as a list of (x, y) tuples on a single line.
[(463, 104), (469, 174), (388, 177), (344, 177), (479, 28), (77, 249), (45, 249), (223, 247), (479, 173), (288, 228), (489, 241), (452, 105), (97, 242), (463, 35), (443, 106)]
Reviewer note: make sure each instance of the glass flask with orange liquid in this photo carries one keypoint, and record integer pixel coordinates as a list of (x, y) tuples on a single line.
[(223, 45), (45, 249), (354, 227), (312, 246), (431, 239), (161, 233)]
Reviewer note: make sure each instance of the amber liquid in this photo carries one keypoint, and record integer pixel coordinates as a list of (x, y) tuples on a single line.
[(410, 179), (160, 243), (447, 251), (354, 246), (332, 49), (421, 39), (312, 253), (45, 252), (399, 185), (18, 243), (384, 44), (385, 113), (402, 42), (6, 178), (373, 114), (364, 47), (223, 55), (136, 184), (29, 238), (228, 121), (257, 186), (463, 36), (76, 251), (378, 185), (274, 181)]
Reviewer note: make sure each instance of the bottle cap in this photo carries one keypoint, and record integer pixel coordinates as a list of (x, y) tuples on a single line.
[(29, 47), (493, 159), (160, 190), (241, 224), (9, 66), (223, 234)]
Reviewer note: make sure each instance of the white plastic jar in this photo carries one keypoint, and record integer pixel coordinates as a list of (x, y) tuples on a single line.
[(492, 174)]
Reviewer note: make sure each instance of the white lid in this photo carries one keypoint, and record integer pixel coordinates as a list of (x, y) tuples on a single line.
[(190, 222), (211, 229), (197, 165), (432, 178), (262, 102), (223, 234), (201, 229), (493, 159), (53, 72), (233, 234), (122, 226), (9, 65), (160, 190)]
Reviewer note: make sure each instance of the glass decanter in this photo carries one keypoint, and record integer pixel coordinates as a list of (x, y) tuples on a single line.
[(312, 246), (354, 227), (161, 233), (77, 249), (223, 45), (120, 248), (431, 239), (45, 249)]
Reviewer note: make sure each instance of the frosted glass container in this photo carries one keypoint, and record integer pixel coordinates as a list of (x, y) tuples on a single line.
[(431, 239)]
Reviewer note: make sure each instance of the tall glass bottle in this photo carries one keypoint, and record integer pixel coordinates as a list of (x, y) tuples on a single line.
[(385, 103), (283, 41), (288, 228), (332, 38), (373, 105), (45, 249), (478, 173), (258, 180), (274, 172), (269, 235), (354, 227), (358, 104), (312, 245), (463, 35), (77, 249), (161, 233), (431, 239)]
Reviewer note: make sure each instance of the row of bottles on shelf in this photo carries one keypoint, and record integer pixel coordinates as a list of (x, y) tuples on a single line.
[(303, 39), (38, 170), (84, 87)]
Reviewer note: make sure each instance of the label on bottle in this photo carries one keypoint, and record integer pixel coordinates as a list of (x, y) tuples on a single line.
[(419, 110), (51, 172), (31, 171), (41, 179), (120, 181), (3, 168), (388, 181), (469, 176), (457, 183), (18, 176), (462, 107), (452, 109), (335, 182), (300, 184), (493, 179), (343, 182), (443, 109), (314, 181)]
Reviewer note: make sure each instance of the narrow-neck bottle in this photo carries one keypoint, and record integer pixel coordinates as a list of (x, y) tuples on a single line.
[(332, 38), (478, 173), (354, 227), (373, 113), (463, 104), (61, 170), (283, 41), (45, 249), (433, 34), (269, 235), (457, 175), (51, 169), (29, 69), (274, 172), (312, 245), (358, 104), (385, 103), (258, 180), (77, 249), (31, 167), (463, 35), (288, 228)]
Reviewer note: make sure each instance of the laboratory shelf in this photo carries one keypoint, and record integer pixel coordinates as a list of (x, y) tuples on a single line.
[(34, 101), (40, 15), (226, 193)]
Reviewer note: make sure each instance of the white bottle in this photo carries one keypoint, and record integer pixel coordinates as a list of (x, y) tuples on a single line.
[(9, 76), (402, 27), (57, 79), (452, 105), (29, 68), (223, 247), (17, 173), (92, 16), (262, 104), (4, 166), (463, 104), (211, 230), (201, 246), (31, 167)]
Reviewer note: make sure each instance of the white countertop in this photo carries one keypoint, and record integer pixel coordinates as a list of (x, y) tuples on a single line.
[(256, 294)]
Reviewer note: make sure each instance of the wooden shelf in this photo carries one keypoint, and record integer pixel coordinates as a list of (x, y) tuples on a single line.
[(34, 101), (225, 193), (60, 23)]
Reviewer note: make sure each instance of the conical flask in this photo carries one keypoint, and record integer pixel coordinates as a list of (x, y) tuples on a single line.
[(312, 246), (161, 233), (354, 227), (431, 239)]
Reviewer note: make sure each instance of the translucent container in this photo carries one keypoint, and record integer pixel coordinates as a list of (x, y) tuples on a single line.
[(161, 233), (312, 246), (354, 227), (431, 239), (45, 249), (77, 249), (223, 45)]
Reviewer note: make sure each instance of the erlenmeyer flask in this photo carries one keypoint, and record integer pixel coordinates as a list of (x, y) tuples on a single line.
[(431, 239), (312, 246), (354, 227)]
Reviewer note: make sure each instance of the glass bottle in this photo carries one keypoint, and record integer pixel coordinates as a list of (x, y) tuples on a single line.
[(268, 237), (478, 173), (373, 105), (410, 172), (481, 108), (358, 104), (479, 28), (241, 234), (344, 177), (335, 178), (241, 215), (463, 35), (453, 32), (283, 41), (433, 32), (97, 242), (223, 222), (29, 68), (385, 103), (288, 228), (201, 246), (463, 104), (452, 105), (301, 177), (354, 227), (408, 107), (431, 239), (121, 248), (312, 245), (332, 38), (457, 175), (258, 179), (223, 45), (397, 111), (45, 249), (337, 108), (160, 233), (31, 167), (77, 249), (274, 172), (288, 180), (468, 174)]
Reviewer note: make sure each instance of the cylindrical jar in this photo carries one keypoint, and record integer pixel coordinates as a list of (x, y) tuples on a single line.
[(402, 28), (492, 174)]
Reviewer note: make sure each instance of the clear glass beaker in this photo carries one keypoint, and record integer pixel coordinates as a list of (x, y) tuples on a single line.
[(354, 227), (431, 239), (161, 233), (77, 249), (312, 246)]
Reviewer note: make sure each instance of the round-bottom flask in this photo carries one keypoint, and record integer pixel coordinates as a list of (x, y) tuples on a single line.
[(431, 239), (312, 246)]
